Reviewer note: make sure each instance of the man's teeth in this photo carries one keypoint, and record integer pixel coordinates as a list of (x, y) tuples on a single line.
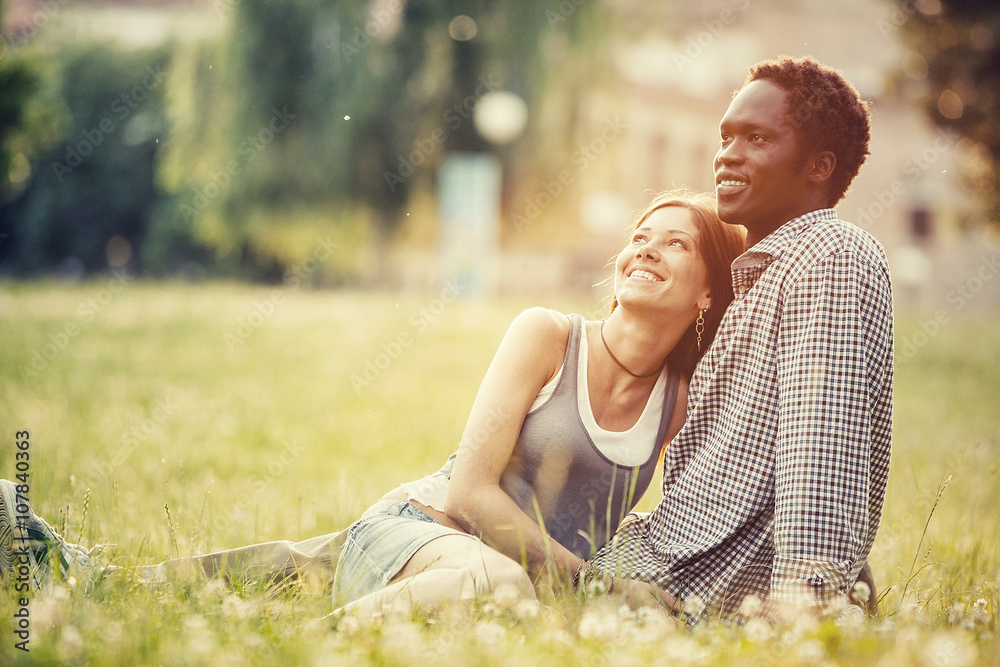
[(645, 275), (732, 182)]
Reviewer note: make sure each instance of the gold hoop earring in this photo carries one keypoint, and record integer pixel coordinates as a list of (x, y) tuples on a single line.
[(699, 327)]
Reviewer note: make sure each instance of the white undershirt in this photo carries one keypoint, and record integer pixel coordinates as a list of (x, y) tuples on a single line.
[(626, 448)]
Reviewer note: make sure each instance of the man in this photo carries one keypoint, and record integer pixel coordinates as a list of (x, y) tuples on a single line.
[(774, 487)]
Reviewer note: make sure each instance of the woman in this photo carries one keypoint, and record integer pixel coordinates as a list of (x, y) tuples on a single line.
[(564, 433)]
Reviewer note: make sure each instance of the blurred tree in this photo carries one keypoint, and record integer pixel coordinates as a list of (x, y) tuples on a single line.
[(288, 142), (315, 118), (95, 181), (27, 123), (959, 43), (17, 82)]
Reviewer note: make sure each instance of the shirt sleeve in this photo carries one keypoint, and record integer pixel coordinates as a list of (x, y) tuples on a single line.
[(831, 315)]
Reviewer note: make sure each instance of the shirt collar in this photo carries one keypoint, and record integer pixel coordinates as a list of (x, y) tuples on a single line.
[(749, 266)]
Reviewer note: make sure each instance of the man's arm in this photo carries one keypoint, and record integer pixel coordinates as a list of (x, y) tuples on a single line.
[(833, 363)]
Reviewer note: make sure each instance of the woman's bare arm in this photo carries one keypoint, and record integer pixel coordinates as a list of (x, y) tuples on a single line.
[(528, 357)]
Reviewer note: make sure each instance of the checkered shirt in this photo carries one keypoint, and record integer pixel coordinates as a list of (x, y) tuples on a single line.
[(774, 487)]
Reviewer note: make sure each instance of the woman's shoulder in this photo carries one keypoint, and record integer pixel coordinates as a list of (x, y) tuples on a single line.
[(543, 322), (541, 330)]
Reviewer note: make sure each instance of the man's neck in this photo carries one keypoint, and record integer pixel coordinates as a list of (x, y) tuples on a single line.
[(759, 233)]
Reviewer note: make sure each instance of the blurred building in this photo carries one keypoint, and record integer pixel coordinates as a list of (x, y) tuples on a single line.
[(134, 23), (672, 88)]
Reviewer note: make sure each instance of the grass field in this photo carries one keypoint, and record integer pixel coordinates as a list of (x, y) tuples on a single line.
[(170, 419)]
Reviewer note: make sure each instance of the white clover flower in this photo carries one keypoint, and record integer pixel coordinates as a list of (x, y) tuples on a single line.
[(527, 609), (834, 607), (851, 617), (693, 605), (654, 616), (349, 624), (758, 630), (235, 606), (595, 588), (507, 595), (861, 593), (654, 625), (750, 606), (214, 588), (490, 633), (979, 614), (557, 636), (600, 625)]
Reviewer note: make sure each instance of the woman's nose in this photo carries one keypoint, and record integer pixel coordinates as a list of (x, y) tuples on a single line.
[(645, 251)]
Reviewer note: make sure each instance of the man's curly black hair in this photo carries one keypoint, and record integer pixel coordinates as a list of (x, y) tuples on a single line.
[(826, 111)]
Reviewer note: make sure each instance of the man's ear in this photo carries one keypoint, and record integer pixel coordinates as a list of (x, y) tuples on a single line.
[(821, 167)]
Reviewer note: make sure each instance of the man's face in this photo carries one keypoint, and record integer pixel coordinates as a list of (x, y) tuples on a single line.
[(761, 180)]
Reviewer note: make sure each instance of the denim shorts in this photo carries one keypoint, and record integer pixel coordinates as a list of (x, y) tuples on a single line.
[(379, 545)]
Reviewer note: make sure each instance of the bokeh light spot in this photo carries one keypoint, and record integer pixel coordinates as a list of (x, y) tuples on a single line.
[(929, 7), (463, 28), (950, 105), (119, 251), (500, 116)]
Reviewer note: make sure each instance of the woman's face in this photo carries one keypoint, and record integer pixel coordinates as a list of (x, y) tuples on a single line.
[(662, 267)]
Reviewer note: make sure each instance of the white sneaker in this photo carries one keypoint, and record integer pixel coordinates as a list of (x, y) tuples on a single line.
[(28, 544)]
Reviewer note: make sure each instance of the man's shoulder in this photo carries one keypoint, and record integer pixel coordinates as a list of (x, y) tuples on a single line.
[(831, 236)]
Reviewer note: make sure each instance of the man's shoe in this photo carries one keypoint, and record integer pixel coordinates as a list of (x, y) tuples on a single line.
[(28, 545)]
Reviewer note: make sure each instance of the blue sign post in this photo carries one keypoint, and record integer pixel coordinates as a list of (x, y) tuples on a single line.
[(469, 220)]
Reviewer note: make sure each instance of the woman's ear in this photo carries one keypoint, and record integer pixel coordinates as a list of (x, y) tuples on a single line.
[(706, 301)]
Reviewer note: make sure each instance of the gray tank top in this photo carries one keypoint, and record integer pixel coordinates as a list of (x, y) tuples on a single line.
[(582, 510)]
